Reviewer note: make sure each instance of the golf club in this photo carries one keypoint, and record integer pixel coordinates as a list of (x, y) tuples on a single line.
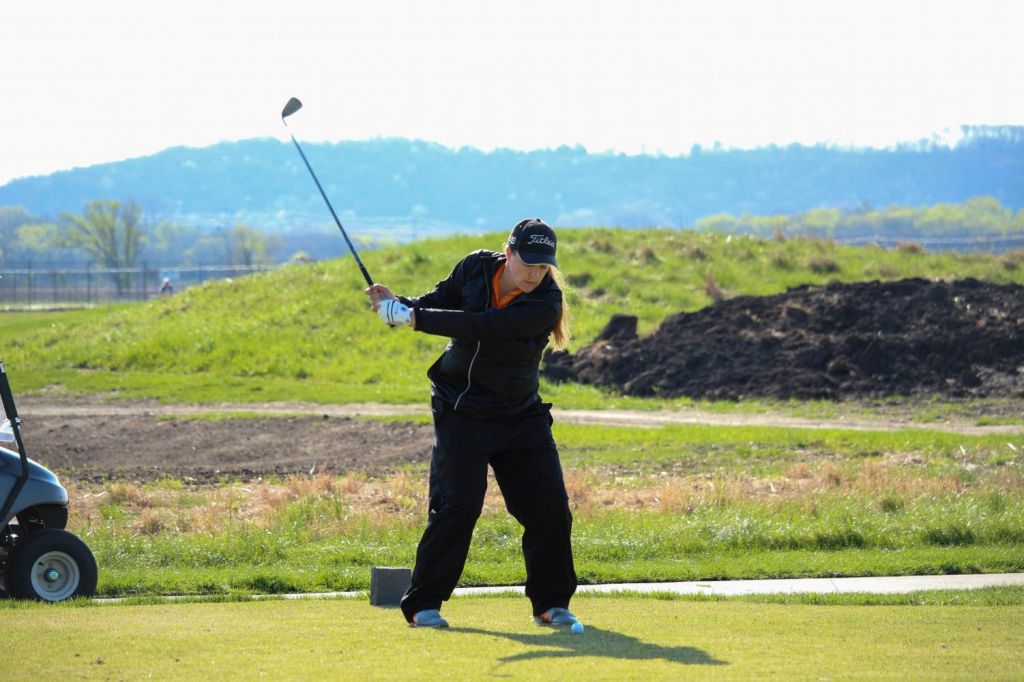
[(290, 108)]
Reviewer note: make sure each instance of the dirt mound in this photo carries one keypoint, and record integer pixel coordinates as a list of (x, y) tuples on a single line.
[(871, 339)]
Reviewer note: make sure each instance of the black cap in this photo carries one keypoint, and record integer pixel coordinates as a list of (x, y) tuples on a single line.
[(534, 241)]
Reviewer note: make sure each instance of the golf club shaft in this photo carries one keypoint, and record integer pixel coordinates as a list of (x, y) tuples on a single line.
[(355, 254)]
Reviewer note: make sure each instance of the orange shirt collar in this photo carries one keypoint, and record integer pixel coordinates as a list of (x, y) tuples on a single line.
[(500, 302)]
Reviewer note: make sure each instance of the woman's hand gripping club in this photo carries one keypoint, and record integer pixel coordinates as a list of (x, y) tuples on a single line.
[(393, 312)]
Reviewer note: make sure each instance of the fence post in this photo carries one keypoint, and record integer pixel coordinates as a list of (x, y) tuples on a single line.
[(30, 283)]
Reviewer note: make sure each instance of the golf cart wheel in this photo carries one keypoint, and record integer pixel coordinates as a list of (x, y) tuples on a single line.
[(50, 565)]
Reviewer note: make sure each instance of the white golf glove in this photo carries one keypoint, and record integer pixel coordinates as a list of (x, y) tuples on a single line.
[(394, 313)]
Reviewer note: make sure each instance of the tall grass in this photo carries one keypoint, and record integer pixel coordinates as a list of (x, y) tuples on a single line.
[(860, 506)]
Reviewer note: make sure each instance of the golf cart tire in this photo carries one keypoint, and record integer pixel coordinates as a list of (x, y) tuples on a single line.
[(50, 565)]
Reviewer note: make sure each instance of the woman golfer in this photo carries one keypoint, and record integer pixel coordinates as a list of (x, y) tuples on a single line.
[(499, 310)]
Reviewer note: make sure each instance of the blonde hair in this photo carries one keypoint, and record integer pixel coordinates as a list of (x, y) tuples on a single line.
[(561, 332)]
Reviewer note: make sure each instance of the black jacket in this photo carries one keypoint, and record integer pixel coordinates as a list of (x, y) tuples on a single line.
[(490, 366)]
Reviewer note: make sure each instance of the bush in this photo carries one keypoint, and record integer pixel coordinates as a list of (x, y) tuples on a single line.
[(823, 265)]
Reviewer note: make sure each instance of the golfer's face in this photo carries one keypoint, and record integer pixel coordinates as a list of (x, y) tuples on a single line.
[(526, 276)]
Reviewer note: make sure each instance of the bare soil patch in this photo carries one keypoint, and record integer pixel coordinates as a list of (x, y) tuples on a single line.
[(144, 447)]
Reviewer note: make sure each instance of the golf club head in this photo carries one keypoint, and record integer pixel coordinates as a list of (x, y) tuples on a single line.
[(293, 105)]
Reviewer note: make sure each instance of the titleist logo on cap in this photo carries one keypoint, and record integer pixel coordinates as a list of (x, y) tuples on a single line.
[(534, 241)]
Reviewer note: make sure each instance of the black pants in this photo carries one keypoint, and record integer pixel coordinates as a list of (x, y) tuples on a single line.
[(524, 457)]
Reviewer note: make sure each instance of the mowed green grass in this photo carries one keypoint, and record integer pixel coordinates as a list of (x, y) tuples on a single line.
[(627, 638), (762, 449), (304, 332)]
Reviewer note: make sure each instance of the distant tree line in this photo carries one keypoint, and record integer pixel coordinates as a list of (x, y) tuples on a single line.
[(116, 234), (978, 217)]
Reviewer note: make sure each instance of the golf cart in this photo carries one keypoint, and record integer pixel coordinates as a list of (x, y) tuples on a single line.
[(38, 558)]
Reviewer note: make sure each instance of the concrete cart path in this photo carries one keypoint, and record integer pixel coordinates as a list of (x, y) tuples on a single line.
[(902, 584), (880, 585)]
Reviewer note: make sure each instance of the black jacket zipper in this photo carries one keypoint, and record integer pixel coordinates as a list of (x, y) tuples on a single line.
[(469, 370)]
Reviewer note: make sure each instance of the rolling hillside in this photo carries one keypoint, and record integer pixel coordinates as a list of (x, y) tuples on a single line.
[(304, 331)]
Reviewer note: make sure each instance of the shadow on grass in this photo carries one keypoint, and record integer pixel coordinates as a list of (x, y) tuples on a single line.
[(595, 642)]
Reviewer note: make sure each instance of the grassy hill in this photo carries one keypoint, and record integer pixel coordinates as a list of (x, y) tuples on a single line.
[(304, 332)]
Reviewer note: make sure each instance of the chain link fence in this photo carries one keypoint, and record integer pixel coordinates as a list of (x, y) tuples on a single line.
[(33, 286)]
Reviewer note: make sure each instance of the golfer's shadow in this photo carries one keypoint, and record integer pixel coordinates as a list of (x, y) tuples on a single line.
[(595, 642)]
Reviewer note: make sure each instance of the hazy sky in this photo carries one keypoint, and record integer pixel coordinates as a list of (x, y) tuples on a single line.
[(86, 82)]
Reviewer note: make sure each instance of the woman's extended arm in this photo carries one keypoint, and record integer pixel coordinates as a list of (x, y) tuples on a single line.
[(514, 321)]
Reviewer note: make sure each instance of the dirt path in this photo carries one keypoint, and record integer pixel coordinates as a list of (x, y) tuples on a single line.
[(94, 440), (32, 406)]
